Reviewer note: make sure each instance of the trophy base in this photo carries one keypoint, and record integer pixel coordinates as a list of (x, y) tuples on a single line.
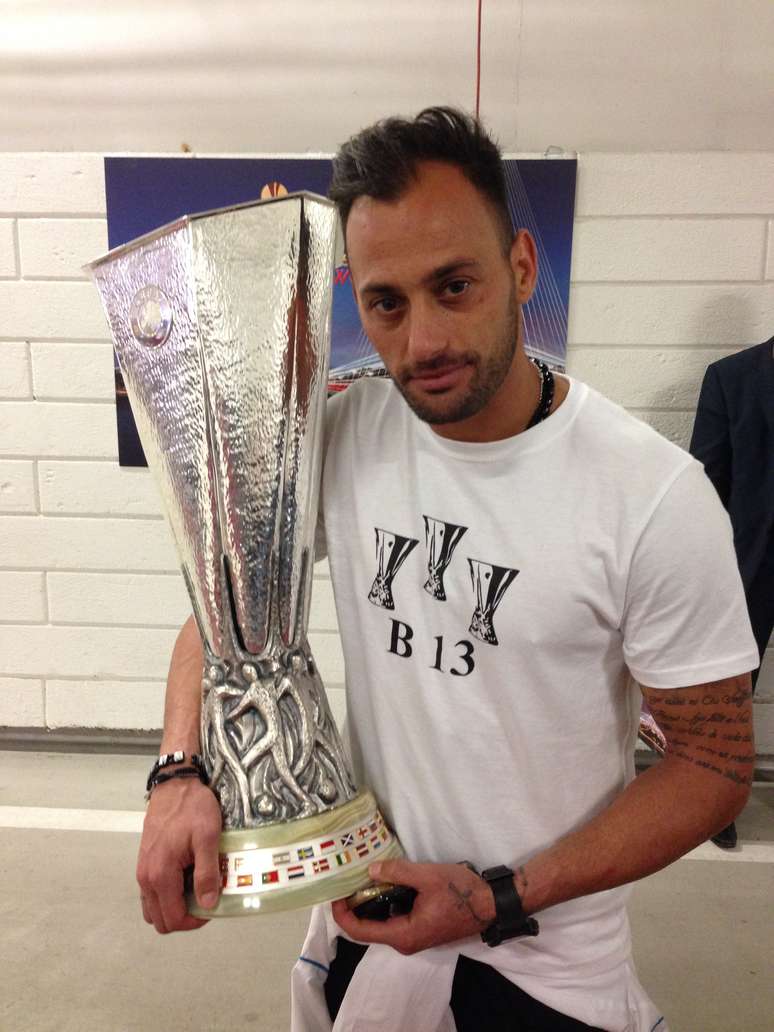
[(302, 862)]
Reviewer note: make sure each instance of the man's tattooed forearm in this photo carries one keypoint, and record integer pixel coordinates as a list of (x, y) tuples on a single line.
[(734, 697), (710, 727), (743, 778), (462, 898), (667, 720)]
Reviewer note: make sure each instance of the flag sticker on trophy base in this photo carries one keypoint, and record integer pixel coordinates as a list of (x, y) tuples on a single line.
[(221, 326)]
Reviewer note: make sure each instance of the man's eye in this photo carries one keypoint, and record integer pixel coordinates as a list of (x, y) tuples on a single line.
[(385, 305), (456, 287)]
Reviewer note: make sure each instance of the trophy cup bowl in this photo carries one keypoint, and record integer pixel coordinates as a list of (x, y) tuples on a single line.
[(221, 326)]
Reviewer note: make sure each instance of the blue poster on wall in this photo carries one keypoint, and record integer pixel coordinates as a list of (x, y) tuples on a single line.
[(145, 193)]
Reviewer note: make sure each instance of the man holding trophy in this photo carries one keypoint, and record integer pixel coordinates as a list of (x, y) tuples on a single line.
[(505, 546)]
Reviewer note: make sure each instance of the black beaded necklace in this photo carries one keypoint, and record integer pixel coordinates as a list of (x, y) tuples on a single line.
[(546, 399)]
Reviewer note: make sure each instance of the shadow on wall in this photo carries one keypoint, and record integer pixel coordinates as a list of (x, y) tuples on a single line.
[(727, 320), (724, 324)]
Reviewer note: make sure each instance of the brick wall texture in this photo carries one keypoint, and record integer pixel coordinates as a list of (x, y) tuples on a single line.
[(673, 267)]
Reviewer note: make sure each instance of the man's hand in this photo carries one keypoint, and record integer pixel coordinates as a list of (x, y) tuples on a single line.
[(182, 827), (452, 903)]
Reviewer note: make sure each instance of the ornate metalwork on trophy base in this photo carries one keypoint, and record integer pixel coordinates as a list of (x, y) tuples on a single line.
[(269, 741), (221, 325)]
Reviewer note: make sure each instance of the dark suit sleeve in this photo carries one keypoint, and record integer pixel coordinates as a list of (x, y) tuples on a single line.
[(711, 440)]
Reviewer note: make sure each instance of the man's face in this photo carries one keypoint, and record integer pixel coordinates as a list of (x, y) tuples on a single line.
[(437, 296)]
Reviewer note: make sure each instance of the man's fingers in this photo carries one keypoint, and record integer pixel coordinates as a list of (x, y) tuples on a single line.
[(399, 872), (206, 868), (182, 826), (146, 911), (151, 911), (171, 902)]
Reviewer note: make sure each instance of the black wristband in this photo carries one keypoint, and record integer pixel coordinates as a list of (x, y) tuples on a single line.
[(180, 772), (510, 920), (175, 757)]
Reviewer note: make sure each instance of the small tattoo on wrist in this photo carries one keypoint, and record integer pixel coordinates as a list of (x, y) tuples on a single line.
[(463, 897)]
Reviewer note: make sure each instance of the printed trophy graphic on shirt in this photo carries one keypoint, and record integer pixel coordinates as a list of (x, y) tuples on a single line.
[(441, 539), (221, 324), (392, 551), (489, 585)]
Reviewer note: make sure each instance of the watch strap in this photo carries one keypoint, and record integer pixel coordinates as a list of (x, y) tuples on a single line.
[(510, 920)]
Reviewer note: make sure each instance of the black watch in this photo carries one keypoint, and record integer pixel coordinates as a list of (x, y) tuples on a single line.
[(510, 921)]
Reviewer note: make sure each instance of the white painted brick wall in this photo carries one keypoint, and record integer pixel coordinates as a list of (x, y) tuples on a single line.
[(673, 267), (645, 378), (51, 543), (105, 704), (705, 183), (17, 486), (7, 248), (151, 600), (670, 315), (58, 248), (15, 380), (77, 372), (97, 489), (58, 184), (22, 597), (675, 249), (22, 702), (50, 310), (43, 428)]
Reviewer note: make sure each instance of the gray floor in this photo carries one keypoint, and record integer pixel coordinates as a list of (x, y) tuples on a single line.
[(75, 955)]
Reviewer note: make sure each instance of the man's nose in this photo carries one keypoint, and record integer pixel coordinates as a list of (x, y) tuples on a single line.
[(427, 334)]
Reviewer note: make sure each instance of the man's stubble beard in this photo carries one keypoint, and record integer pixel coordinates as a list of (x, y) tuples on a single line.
[(489, 373)]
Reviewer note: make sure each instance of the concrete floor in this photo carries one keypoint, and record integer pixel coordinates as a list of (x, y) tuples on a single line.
[(75, 955)]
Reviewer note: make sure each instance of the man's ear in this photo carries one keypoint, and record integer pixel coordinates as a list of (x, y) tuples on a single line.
[(523, 260)]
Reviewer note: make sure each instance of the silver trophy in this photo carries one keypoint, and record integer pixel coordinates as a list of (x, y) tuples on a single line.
[(221, 325)]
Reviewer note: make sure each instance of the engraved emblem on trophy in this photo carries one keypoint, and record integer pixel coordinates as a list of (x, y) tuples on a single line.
[(441, 539), (392, 550), (221, 325), (489, 585)]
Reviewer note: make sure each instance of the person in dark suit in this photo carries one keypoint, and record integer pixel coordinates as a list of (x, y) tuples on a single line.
[(733, 436)]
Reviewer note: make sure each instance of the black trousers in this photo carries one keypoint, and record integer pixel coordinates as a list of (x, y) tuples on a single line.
[(482, 999)]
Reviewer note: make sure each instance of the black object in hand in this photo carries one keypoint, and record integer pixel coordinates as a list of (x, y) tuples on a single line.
[(390, 901)]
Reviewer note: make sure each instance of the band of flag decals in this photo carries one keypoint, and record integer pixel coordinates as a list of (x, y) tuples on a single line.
[(258, 870)]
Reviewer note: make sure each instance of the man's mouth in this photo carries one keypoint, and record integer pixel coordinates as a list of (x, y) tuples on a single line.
[(439, 378)]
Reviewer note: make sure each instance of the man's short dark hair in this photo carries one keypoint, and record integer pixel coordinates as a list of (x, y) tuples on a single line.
[(381, 160)]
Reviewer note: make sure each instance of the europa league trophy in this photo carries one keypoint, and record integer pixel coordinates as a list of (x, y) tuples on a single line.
[(221, 324)]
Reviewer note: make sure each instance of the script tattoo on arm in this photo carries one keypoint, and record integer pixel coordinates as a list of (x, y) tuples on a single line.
[(709, 725)]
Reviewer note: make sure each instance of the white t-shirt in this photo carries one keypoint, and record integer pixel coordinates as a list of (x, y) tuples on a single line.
[(491, 600)]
